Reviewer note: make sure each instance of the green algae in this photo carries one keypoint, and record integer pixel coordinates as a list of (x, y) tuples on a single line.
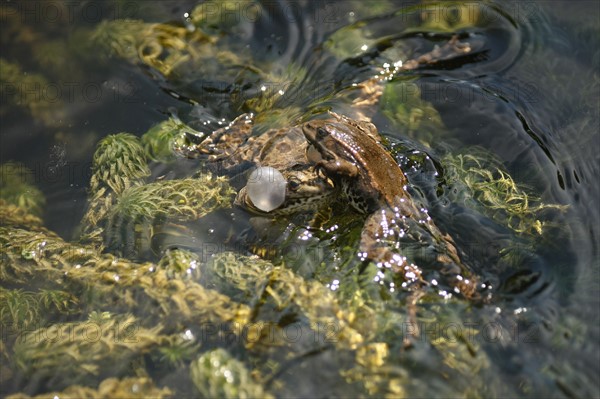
[(480, 180), (216, 374), (30, 91), (17, 188), (401, 102), (131, 388), (87, 289)]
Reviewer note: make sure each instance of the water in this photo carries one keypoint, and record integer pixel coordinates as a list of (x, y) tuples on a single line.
[(528, 94)]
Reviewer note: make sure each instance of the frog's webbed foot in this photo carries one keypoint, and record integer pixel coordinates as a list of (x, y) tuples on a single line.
[(456, 273), (370, 91), (453, 48)]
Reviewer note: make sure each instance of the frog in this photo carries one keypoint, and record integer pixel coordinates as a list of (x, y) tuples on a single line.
[(235, 151), (351, 153), (368, 92), (322, 158), (234, 148)]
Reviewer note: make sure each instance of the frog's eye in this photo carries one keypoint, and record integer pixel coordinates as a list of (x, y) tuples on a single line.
[(293, 184), (321, 133)]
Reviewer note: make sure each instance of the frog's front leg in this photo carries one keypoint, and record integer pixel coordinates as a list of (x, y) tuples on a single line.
[(338, 167)]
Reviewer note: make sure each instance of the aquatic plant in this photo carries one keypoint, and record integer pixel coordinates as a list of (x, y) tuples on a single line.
[(177, 349), (179, 263), (349, 41), (401, 102), (27, 255), (83, 350), (174, 51), (16, 188), (212, 15), (109, 280), (480, 179), (140, 210), (353, 309), (204, 47), (121, 204), (217, 374), (13, 215), (278, 102), (185, 199), (160, 46), (285, 289), (25, 90), (130, 387), (160, 140), (18, 307), (119, 163), (450, 16), (372, 370), (22, 308)]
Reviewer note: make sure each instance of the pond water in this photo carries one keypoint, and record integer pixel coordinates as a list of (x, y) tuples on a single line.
[(523, 103)]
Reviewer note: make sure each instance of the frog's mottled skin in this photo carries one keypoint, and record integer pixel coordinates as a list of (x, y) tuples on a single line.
[(234, 147)]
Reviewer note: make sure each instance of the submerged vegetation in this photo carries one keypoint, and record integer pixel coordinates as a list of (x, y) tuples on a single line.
[(22, 90), (479, 180), (107, 314), (170, 314), (17, 188)]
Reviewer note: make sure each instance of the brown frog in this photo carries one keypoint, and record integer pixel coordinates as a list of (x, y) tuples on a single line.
[(351, 154), (319, 157), (234, 150)]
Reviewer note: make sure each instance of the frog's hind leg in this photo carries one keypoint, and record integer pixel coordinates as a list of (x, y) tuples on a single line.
[(376, 239), (376, 244), (381, 241), (223, 142)]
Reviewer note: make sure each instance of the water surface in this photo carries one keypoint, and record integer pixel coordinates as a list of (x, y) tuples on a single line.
[(528, 94)]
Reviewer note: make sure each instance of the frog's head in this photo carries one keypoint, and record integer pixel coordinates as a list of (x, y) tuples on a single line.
[(332, 137), (305, 189)]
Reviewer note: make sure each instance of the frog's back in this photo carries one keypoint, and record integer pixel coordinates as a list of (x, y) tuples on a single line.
[(283, 149), (381, 176)]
